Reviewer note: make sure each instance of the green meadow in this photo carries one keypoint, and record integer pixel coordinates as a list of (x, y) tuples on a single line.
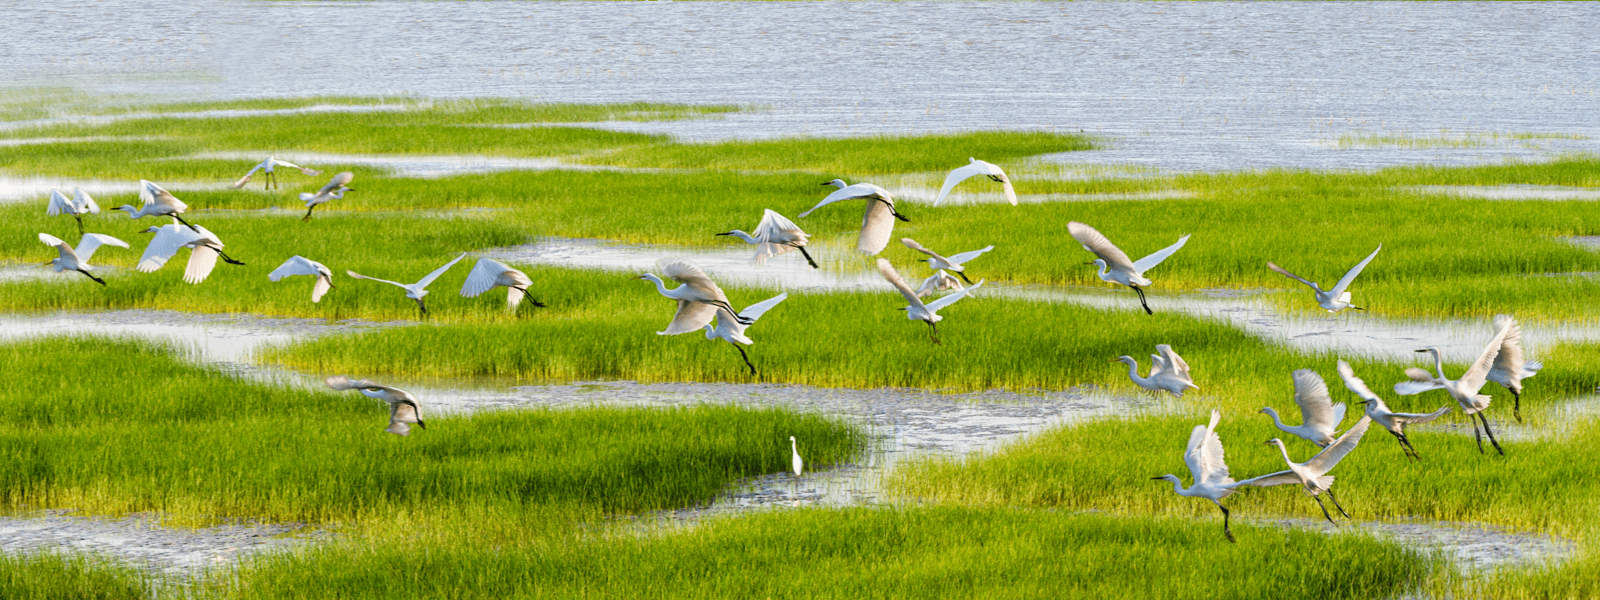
[(533, 502)]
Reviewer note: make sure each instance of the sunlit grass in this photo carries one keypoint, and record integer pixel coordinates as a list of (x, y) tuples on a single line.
[(1444, 139), (58, 576)]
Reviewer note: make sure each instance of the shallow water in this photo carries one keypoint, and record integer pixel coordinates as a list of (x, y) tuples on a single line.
[(180, 552), (1512, 192)]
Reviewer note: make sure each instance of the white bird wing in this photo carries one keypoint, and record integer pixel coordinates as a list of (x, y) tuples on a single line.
[(1155, 258), (912, 244), (342, 383), (86, 204), (775, 227), (169, 239), (961, 259), (754, 311), (1271, 479), (1325, 460), (1508, 365), (1174, 362), (201, 261), (691, 316), (1349, 276), (285, 163), (439, 271), (360, 276), (849, 192), (482, 277), (246, 179), (899, 283), (1157, 365), (404, 411), (958, 175), (1472, 380), (1005, 184), (691, 275), (1355, 384), (1285, 272), (296, 265), (876, 226), (1316, 406), (338, 181), (1092, 240), (1204, 456), (93, 241), (58, 204), (53, 241), (324, 283), (1420, 382), (952, 298), (149, 192), (1409, 418)]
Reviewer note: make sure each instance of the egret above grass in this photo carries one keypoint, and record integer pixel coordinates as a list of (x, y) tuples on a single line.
[(973, 168), (1510, 368), (419, 290), (1168, 371), (1465, 389), (1379, 412), (270, 165), (80, 204), (1312, 475), (696, 288), (878, 220), (1338, 298), (1207, 469), (916, 310), (77, 259), (404, 409), (1319, 416), (775, 235), (938, 282), (488, 274), (300, 265), (954, 263), (732, 330), (157, 202), (205, 248), (333, 190), (1115, 267)]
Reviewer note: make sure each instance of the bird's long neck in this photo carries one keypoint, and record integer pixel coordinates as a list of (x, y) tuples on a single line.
[(660, 287), (1133, 370), (1275, 420), (1103, 268), (1284, 451), (1177, 486), (748, 239), (1438, 364)]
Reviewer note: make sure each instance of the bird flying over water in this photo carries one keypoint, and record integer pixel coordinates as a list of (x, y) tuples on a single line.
[(1510, 368), (77, 259), (300, 265), (1168, 371), (1319, 416), (698, 297), (774, 236), (419, 290), (1465, 389), (953, 264), (878, 221), (271, 164), (976, 167), (80, 204), (1379, 412), (490, 273), (916, 310), (403, 407), (1338, 298), (732, 331), (333, 190), (1115, 267), (205, 249)]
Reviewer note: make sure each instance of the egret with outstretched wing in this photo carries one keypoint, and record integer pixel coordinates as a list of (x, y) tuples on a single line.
[(973, 168), (1115, 267)]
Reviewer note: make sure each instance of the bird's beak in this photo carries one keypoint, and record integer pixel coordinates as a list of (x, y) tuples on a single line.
[(1156, 478), (726, 233), (351, 189), (827, 183), (1261, 411), (639, 277), (1268, 442), (1089, 263), (1423, 350)]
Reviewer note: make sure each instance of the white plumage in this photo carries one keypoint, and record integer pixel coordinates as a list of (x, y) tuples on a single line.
[(300, 265), (954, 263), (415, 291), (333, 190), (77, 259), (169, 239), (1312, 475), (976, 167), (916, 310), (1168, 371), (938, 282), (1115, 267), (732, 330), (270, 165), (80, 204), (403, 407), (1338, 298), (1379, 412), (794, 458), (775, 235), (1510, 367), (156, 201), (698, 297), (489, 273), (878, 220), (1207, 469), (1319, 416), (1463, 390)]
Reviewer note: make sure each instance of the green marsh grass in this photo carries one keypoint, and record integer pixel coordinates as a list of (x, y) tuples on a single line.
[(59, 576)]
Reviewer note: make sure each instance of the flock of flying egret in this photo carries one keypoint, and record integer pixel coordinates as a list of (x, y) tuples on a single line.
[(702, 306)]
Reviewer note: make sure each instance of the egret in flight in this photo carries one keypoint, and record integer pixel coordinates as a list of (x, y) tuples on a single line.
[(976, 167), (157, 202), (1113, 262), (732, 330), (954, 263), (403, 407), (1510, 368), (300, 265), (1319, 416), (938, 282), (1203, 455), (78, 259), (1338, 298), (80, 204), (878, 221), (1168, 371), (916, 310), (490, 273), (775, 236), (1312, 475), (205, 249), (697, 288), (333, 190), (419, 290), (1465, 389), (270, 165), (1380, 414)]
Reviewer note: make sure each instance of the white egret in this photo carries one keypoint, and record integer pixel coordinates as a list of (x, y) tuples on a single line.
[(403, 407), (489, 273), (1338, 298), (1312, 475), (80, 204), (271, 164), (732, 331), (878, 220), (976, 167), (1168, 371), (916, 310), (77, 259), (794, 457), (334, 190), (1208, 471), (1113, 262), (938, 282), (169, 239), (415, 291), (954, 263), (300, 265), (775, 236), (157, 202), (1465, 389), (1510, 368), (1319, 416), (1380, 414), (697, 288)]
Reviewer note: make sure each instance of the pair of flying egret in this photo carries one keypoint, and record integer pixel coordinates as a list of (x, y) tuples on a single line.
[(700, 300), (333, 190), (487, 274)]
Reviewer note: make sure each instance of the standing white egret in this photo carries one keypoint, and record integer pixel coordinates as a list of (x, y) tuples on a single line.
[(403, 407), (77, 259), (1465, 389), (1319, 416), (697, 288), (1312, 475), (1208, 471), (1113, 262), (794, 457), (954, 263), (732, 331), (157, 202), (976, 167), (333, 190), (878, 220), (489, 273), (80, 204), (1338, 298), (775, 236), (300, 265), (1510, 368), (415, 291), (1380, 414), (271, 164), (169, 239), (916, 310), (938, 282), (1168, 371)]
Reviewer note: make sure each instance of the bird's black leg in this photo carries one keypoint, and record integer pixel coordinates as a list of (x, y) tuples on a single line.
[(935, 335), (1225, 530), (422, 307), (96, 279), (803, 252), (736, 316), (894, 212), (1335, 500), (1412, 450), (1516, 406), (1325, 514), (185, 223), (226, 258), (308, 213), (80, 225), (1402, 441), (964, 277), (1491, 434), (746, 358), (1476, 433), (1141, 300)]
